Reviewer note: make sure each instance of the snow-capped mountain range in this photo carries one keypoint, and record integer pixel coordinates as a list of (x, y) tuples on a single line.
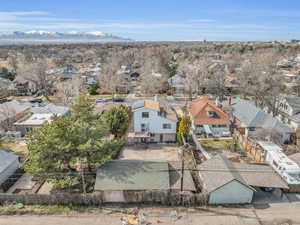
[(40, 36)]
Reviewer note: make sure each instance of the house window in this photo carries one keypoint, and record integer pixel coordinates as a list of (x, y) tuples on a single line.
[(211, 113), (28, 129), (145, 114), (166, 126), (251, 128), (143, 127), (275, 164)]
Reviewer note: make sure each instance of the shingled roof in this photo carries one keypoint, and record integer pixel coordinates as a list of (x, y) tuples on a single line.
[(218, 171), (252, 116), (199, 108), (133, 175)]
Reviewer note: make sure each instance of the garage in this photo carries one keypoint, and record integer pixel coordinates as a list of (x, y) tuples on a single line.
[(235, 183)]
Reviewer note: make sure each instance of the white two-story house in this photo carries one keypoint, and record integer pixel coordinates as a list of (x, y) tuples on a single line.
[(152, 123)]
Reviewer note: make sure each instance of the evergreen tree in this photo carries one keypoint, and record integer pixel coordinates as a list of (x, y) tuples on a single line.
[(117, 120), (56, 149)]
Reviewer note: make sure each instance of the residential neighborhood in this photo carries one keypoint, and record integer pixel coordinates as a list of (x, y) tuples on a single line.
[(149, 112)]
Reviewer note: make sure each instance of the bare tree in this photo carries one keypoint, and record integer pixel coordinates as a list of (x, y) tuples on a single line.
[(36, 73), (258, 79), (68, 91), (8, 114), (110, 78)]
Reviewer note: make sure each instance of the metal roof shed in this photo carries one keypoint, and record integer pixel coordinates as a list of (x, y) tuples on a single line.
[(9, 163)]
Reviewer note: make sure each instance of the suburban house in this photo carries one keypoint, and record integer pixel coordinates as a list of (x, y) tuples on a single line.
[(152, 123), (117, 180), (208, 118), (9, 163), (236, 183), (35, 121), (177, 83), (22, 87), (10, 112), (4, 87), (288, 110), (250, 120), (50, 109), (39, 115)]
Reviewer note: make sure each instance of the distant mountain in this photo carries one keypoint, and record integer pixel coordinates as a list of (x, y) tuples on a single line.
[(45, 37)]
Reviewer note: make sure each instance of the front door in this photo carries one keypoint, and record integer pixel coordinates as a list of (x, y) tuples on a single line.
[(161, 139)]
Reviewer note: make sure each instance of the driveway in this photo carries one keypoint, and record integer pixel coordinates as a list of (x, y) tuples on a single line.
[(150, 152)]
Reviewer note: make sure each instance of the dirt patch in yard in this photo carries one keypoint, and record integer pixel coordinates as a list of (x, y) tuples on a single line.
[(224, 146), (150, 152), (18, 147)]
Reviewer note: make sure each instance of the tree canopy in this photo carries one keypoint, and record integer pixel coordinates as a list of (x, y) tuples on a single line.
[(71, 144), (184, 128), (117, 120)]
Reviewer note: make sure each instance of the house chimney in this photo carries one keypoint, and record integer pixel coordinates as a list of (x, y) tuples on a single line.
[(218, 103), (229, 100)]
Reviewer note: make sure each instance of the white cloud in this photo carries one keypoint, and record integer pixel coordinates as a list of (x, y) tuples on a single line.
[(201, 21), (12, 16)]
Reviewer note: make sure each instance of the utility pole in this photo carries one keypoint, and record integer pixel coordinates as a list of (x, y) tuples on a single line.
[(182, 161), (83, 179), (182, 170)]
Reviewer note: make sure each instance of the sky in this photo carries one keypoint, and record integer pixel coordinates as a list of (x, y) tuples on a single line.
[(158, 20)]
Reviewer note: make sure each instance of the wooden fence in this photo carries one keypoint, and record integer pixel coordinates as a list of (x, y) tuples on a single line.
[(96, 199), (254, 151)]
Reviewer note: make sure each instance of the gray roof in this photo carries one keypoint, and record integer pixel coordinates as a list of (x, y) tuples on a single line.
[(218, 171), (51, 109), (6, 159), (10, 109), (251, 116), (295, 157), (175, 169), (294, 102), (296, 118), (133, 175)]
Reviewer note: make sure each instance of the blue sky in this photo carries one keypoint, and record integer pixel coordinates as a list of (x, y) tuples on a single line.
[(158, 20)]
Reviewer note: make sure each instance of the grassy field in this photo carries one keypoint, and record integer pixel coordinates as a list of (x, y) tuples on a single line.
[(219, 144), (19, 209)]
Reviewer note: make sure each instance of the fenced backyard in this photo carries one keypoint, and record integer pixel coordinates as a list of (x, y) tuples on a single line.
[(165, 198)]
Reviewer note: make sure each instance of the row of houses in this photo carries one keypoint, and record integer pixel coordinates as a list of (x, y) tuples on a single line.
[(155, 123), (225, 181)]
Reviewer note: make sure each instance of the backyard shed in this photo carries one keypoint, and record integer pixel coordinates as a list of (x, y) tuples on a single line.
[(9, 163)]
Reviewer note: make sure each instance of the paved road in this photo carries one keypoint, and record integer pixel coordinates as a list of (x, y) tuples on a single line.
[(276, 214)]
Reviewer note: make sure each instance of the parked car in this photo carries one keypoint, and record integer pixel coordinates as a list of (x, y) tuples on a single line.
[(101, 100), (37, 104), (36, 100), (119, 100)]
